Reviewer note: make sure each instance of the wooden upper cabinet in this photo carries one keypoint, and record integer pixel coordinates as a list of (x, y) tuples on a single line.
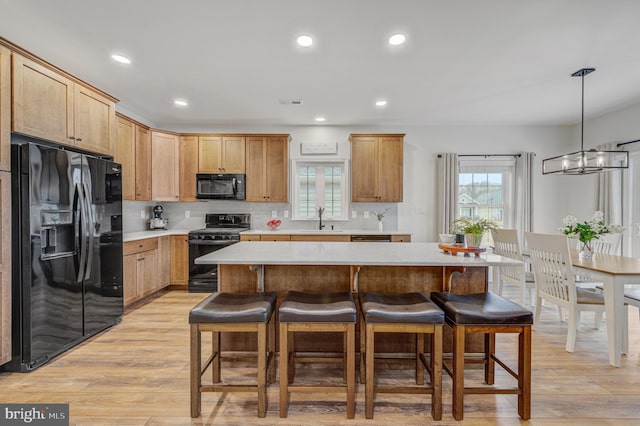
[(94, 120), (267, 168), (143, 164), (221, 154), (50, 106), (125, 153), (42, 101), (165, 164), (376, 168), (188, 167), (5, 109)]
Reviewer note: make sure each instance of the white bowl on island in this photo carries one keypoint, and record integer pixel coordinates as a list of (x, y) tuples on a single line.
[(447, 238)]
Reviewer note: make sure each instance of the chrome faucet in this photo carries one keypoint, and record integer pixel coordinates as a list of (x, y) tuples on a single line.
[(320, 211)]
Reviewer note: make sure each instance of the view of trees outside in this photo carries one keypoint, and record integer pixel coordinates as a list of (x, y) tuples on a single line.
[(481, 196)]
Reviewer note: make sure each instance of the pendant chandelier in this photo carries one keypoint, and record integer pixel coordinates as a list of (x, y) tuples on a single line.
[(585, 162)]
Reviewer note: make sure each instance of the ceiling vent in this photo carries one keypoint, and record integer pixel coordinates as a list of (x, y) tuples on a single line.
[(290, 101)]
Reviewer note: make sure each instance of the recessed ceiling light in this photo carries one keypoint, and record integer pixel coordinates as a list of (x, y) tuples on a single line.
[(121, 59), (381, 103), (304, 41), (180, 102), (320, 119), (397, 39)]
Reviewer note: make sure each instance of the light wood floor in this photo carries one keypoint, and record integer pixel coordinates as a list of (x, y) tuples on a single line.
[(137, 373)]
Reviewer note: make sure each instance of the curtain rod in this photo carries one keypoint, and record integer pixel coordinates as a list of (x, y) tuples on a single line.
[(485, 155), (627, 143)]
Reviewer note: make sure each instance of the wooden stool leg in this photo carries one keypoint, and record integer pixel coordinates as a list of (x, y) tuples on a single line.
[(362, 351), (262, 370), (271, 350), (458, 372), (351, 370), (370, 363), (490, 364), (419, 365), (215, 350), (195, 371), (524, 373), (436, 373), (291, 353), (284, 370)]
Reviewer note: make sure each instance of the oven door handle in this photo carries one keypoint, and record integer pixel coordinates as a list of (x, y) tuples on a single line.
[(211, 243)]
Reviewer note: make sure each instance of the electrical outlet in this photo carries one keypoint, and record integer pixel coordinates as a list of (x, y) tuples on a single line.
[(366, 214), (286, 213), (187, 213), (354, 214), (274, 213), (141, 214)]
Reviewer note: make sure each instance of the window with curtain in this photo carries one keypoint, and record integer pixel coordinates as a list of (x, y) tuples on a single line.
[(319, 184), (486, 189)]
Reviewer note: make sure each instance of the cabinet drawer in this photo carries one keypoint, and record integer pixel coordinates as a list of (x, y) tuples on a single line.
[(132, 247), (320, 238)]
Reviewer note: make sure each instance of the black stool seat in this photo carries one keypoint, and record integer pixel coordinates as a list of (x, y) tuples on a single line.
[(317, 307), (481, 309), (408, 308), (234, 308)]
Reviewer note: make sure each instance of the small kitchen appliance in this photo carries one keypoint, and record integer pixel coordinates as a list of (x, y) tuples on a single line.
[(157, 222)]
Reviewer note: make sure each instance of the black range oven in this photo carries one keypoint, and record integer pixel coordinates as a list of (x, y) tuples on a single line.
[(221, 231)]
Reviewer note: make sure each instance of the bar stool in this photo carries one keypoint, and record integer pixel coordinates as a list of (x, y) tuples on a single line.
[(402, 313), (320, 312), (230, 312), (489, 314)]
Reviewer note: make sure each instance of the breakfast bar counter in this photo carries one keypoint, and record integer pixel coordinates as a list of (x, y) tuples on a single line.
[(344, 266)]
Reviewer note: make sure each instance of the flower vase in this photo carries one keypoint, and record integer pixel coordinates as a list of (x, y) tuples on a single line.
[(472, 240), (585, 250), (380, 226)]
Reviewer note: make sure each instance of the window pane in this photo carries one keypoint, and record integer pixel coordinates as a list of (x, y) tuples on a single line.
[(481, 196), (307, 183), (332, 190)]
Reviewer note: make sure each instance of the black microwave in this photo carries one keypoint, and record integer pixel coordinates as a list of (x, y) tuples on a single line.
[(211, 186)]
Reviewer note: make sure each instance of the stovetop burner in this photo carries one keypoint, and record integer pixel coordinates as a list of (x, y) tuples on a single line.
[(222, 226)]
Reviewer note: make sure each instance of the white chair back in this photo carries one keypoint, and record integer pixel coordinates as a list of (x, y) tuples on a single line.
[(607, 244), (505, 243), (552, 268)]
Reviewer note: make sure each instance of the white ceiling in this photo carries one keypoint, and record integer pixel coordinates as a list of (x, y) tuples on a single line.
[(497, 62)]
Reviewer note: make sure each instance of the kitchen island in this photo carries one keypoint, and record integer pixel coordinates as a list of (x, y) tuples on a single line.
[(345, 266)]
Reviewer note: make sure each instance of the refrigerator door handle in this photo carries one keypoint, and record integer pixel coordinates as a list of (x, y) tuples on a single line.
[(90, 228), (82, 246)]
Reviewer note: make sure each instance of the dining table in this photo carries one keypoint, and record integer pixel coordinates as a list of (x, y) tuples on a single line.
[(615, 272)]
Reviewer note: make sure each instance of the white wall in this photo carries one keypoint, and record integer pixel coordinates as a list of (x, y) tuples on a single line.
[(417, 213)]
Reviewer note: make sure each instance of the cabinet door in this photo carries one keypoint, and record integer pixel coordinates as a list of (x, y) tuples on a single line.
[(165, 151), (277, 169), (147, 272), (364, 169), (164, 261), (5, 109), (256, 169), (210, 154), (42, 101), (131, 291), (125, 154), (390, 154), (5, 267), (233, 154), (188, 167), (179, 259), (143, 164), (94, 120)]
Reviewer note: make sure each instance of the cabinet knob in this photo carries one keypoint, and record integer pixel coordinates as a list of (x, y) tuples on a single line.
[(79, 139), (72, 137)]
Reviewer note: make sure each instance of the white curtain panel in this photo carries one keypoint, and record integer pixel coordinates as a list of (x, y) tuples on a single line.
[(447, 190), (609, 192), (524, 192)]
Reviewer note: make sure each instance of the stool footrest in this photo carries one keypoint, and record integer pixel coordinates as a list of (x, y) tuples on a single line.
[(492, 390), (318, 388), (418, 389), (228, 388)]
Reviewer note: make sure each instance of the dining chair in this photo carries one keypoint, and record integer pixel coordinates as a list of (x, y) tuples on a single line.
[(506, 243), (555, 282)]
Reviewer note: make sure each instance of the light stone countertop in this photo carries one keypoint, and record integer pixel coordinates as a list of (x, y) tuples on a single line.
[(336, 253), (155, 233)]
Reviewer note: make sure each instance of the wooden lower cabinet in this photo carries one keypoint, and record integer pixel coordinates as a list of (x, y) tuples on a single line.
[(164, 261), (5, 267), (140, 269), (179, 260)]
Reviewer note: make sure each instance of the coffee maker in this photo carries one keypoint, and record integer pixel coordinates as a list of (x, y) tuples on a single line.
[(157, 222)]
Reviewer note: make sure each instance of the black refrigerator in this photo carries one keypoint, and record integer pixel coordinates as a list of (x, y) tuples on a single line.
[(67, 249)]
